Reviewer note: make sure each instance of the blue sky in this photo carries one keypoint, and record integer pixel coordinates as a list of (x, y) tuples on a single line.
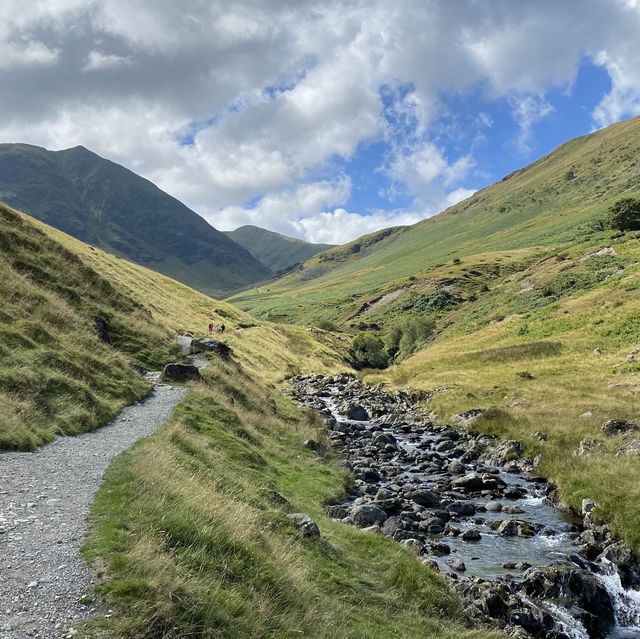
[(472, 123), (323, 121)]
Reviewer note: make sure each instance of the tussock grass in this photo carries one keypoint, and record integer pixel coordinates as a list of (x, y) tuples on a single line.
[(516, 352), (195, 547)]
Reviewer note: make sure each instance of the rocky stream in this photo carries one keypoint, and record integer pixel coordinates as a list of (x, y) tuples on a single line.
[(474, 508)]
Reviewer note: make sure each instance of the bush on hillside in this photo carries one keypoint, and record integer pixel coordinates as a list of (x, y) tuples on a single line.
[(369, 352), (327, 325), (406, 336), (624, 215)]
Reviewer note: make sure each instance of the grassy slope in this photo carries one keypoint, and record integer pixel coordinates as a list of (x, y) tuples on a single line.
[(274, 250), (544, 346), (551, 202), (58, 378), (186, 541)]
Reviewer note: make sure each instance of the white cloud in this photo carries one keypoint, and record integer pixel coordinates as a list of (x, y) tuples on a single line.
[(528, 111), (97, 61), (274, 91)]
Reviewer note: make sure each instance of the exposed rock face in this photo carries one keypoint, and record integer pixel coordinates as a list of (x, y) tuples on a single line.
[(305, 525), (614, 427), (181, 372)]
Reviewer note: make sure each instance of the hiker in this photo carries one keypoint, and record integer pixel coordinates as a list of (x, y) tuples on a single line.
[(221, 329), (211, 328)]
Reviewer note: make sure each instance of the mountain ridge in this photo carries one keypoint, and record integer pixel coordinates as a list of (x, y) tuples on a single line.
[(276, 251), (105, 204)]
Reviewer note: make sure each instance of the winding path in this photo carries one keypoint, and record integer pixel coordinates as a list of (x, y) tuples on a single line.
[(45, 497)]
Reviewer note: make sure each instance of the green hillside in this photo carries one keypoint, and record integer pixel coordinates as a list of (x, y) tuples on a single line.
[(274, 250), (552, 202), (186, 537), (110, 207)]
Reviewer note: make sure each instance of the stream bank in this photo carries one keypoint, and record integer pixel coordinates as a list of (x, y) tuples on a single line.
[(472, 507)]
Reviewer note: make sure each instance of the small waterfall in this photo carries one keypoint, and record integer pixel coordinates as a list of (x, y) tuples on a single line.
[(570, 626), (626, 603)]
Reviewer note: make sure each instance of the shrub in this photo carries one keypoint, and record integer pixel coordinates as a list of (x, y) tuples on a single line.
[(369, 352), (624, 215), (456, 260), (406, 336), (327, 325)]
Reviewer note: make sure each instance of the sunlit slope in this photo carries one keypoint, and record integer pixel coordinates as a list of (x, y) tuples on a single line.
[(57, 376), (553, 201)]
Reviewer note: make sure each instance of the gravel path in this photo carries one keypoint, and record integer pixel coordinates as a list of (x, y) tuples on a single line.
[(45, 498)]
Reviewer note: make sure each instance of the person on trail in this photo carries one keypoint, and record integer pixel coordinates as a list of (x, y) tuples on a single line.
[(211, 328), (221, 329)]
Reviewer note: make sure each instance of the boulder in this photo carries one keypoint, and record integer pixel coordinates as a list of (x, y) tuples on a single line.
[(515, 528), (305, 525), (456, 564), (424, 497), (468, 483), (471, 535), (356, 413), (615, 427), (368, 515), (181, 372)]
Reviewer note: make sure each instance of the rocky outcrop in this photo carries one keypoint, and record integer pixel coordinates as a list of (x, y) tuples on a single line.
[(615, 427), (210, 345)]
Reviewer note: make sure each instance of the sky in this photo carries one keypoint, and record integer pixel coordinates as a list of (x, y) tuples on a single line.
[(320, 120)]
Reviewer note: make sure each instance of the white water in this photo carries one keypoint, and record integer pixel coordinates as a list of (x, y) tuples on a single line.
[(571, 627), (626, 603)]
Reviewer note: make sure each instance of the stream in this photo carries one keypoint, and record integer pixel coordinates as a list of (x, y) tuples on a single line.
[(472, 507)]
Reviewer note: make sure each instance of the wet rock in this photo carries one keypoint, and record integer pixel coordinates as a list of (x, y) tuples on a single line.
[(367, 515), (471, 535), (305, 525), (468, 483), (383, 440), (424, 497), (439, 549), (456, 564), (493, 506), (623, 558), (578, 586), (462, 508), (433, 525), (515, 528), (356, 413), (181, 372), (615, 427)]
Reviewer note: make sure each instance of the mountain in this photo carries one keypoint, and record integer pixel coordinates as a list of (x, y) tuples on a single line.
[(110, 207), (274, 250), (551, 202)]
